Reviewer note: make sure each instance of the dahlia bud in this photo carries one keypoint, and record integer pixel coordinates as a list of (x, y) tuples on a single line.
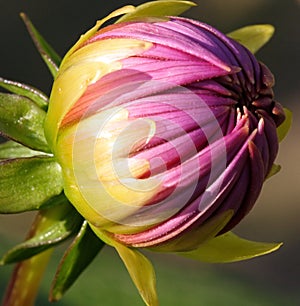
[(160, 130), (160, 126)]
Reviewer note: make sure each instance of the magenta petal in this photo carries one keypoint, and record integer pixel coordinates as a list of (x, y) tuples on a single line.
[(202, 205), (257, 177), (213, 119)]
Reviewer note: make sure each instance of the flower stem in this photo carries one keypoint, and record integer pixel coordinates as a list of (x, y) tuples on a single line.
[(25, 280)]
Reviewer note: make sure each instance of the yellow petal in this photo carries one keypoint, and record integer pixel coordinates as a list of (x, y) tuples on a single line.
[(123, 10), (101, 179), (84, 67)]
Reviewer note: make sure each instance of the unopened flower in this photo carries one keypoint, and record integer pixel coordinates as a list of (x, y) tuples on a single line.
[(160, 126), (162, 131)]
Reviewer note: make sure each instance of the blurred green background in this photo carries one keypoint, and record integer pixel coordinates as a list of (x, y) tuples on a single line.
[(270, 280)]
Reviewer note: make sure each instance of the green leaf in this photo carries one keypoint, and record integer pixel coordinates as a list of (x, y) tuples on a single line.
[(61, 226), (253, 37), (12, 150), (28, 183), (23, 121), (78, 256), (50, 57), (230, 248), (283, 129), (138, 266), (157, 9), (27, 91)]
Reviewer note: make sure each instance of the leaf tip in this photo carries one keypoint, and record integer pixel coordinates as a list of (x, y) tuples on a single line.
[(24, 17)]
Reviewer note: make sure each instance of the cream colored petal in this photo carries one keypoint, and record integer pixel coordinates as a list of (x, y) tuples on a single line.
[(85, 67), (123, 10)]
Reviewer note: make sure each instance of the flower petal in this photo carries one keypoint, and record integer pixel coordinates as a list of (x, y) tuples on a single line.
[(90, 64), (192, 239), (123, 10)]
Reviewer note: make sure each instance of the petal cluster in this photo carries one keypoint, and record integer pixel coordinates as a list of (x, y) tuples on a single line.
[(162, 126)]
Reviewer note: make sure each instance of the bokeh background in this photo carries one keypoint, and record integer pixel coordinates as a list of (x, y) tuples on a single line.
[(269, 280)]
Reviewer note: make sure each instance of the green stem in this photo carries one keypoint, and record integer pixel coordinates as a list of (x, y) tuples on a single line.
[(25, 280)]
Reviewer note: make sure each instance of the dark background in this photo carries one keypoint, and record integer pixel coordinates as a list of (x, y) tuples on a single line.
[(270, 280)]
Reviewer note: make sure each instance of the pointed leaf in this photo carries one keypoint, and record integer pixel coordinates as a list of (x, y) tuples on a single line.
[(230, 248), (78, 256), (28, 183), (138, 266), (60, 227), (23, 121), (283, 129), (161, 8), (253, 37), (50, 57), (27, 91), (12, 150)]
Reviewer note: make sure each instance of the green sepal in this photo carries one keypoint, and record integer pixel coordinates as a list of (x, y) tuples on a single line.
[(274, 170), (50, 57), (230, 248), (12, 150), (161, 8), (284, 128), (28, 183), (66, 224), (78, 256), (138, 266), (142, 273), (253, 37), (23, 121), (27, 91)]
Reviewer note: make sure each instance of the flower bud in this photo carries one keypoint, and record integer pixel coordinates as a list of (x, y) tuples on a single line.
[(160, 126)]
